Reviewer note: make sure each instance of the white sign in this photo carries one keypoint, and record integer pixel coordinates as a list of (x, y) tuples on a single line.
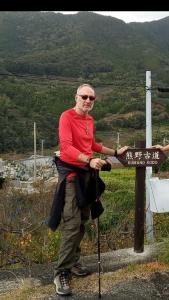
[(159, 195)]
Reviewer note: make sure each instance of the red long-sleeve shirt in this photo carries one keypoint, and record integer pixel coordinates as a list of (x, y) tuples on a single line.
[(76, 136)]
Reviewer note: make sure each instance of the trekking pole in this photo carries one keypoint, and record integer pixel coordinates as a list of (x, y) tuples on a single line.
[(98, 247), (106, 167), (98, 233)]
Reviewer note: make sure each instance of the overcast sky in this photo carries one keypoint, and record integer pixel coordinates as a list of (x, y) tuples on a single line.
[(130, 16)]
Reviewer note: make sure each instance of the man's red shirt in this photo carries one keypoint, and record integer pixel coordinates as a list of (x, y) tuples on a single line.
[(76, 136)]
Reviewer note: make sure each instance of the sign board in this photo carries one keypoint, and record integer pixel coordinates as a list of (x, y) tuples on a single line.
[(144, 157)]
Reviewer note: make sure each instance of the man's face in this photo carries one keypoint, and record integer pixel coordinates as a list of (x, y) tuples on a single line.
[(85, 99)]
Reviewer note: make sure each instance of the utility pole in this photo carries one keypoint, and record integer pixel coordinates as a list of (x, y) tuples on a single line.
[(149, 214), (165, 141), (34, 151), (118, 140), (42, 147)]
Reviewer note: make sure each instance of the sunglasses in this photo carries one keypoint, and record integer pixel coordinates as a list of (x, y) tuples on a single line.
[(85, 97)]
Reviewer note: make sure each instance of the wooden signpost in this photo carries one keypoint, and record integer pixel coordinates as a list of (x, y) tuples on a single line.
[(141, 158)]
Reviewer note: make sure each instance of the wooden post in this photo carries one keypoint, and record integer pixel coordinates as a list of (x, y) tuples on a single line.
[(34, 151), (139, 210), (139, 205)]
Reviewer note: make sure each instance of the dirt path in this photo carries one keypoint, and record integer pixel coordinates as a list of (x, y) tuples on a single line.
[(125, 275)]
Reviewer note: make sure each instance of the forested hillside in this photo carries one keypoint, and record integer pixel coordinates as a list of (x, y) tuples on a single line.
[(79, 45), (45, 56)]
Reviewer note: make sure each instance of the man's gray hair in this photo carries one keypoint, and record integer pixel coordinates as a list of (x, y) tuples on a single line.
[(83, 85)]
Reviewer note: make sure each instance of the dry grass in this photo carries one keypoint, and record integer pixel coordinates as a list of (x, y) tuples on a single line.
[(90, 283), (25, 292)]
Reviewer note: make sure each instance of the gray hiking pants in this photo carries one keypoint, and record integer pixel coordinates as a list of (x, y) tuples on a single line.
[(72, 229)]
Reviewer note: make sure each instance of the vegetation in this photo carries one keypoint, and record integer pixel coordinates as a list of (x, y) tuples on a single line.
[(25, 237), (45, 56), (49, 43)]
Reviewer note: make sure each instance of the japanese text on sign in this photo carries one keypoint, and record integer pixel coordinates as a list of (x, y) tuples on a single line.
[(142, 157)]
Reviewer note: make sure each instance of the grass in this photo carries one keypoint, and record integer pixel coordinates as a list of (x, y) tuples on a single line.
[(25, 292), (163, 254), (117, 218), (116, 222)]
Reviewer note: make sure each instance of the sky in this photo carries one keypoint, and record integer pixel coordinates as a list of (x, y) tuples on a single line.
[(130, 16)]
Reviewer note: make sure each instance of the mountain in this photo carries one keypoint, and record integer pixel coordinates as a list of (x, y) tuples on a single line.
[(80, 44), (44, 56)]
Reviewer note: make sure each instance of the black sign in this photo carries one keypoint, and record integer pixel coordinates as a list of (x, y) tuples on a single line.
[(144, 157)]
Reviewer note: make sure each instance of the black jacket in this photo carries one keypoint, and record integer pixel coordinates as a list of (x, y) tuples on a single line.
[(89, 187)]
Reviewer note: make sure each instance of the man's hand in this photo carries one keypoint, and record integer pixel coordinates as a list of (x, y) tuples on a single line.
[(158, 147), (121, 150), (97, 163)]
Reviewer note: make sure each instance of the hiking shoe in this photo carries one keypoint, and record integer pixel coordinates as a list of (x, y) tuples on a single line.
[(79, 270), (62, 284)]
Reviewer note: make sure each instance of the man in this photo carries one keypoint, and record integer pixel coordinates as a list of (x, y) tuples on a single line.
[(77, 144)]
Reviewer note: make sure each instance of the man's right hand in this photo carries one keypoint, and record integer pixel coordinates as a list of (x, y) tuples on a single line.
[(97, 163)]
